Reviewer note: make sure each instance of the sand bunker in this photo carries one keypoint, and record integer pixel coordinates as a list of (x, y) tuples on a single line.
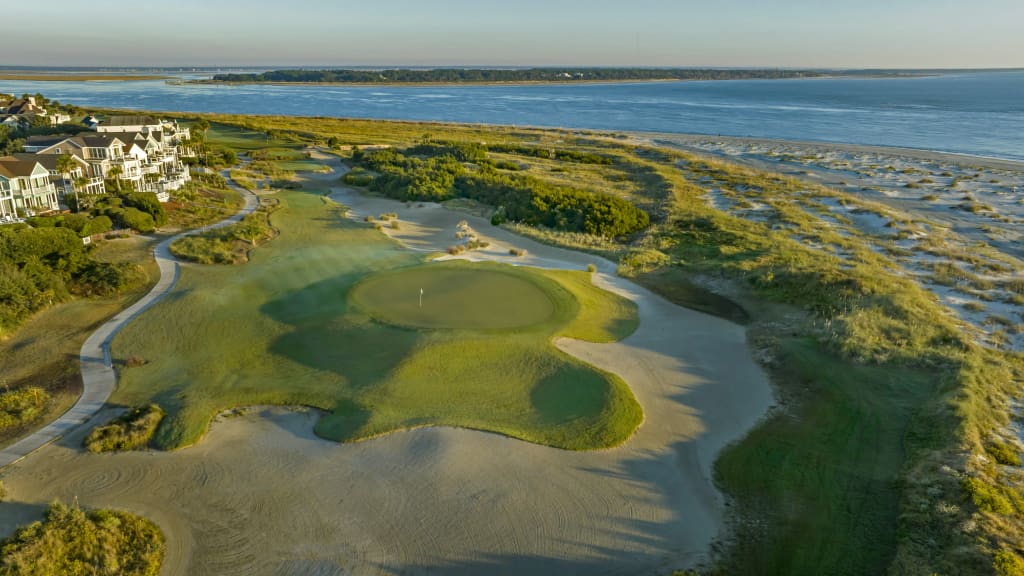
[(262, 495)]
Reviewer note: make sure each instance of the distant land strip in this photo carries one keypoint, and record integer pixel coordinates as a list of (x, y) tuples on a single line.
[(531, 75), (77, 77)]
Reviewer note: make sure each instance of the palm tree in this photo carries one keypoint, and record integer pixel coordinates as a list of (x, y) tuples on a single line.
[(115, 174), (65, 164), (80, 183)]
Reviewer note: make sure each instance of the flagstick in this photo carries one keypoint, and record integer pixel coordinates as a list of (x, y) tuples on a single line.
[(421, 297)]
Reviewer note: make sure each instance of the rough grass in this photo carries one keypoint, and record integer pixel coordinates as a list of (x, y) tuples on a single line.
[(44, 351), (280, 331), (836, 462), (21, 407), (73, 542), (131, 431), (227, 244)]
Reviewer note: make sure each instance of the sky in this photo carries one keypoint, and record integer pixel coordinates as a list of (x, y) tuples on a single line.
[(713, 33)]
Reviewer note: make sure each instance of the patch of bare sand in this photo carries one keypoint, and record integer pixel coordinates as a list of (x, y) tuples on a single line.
[(260, 494)]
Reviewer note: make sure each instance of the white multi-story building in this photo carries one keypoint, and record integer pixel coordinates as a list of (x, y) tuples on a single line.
[(25, 189), (140, 151), (71, 180)]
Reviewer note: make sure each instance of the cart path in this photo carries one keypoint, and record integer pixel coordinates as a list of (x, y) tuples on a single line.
[(98, 376)]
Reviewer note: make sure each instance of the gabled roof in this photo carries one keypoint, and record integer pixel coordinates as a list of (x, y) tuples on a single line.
[(46, 141), (23, 106), (12, 167), (49, 161), (131, 121)]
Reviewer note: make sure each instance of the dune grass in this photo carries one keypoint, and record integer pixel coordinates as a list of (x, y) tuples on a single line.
[(74, 542), (280, 330), (131, 431)]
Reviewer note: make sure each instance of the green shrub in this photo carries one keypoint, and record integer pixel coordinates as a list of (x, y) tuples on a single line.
[(71, 542), (97, 225), (987, 497), (507, 165), (129, 432), (1007, 563), (22, 406), (137, 220), (1003, 453), (148, 203)]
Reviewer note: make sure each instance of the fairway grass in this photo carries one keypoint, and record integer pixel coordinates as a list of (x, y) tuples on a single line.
[(282, 330)]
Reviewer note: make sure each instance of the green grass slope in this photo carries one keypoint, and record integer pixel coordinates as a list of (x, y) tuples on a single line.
[(280, 330)]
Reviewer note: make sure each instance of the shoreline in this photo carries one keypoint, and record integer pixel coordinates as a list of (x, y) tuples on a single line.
[(13, 77), (545, 82), (686, 139)]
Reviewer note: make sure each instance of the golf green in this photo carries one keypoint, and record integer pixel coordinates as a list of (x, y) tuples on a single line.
[(465, 297)]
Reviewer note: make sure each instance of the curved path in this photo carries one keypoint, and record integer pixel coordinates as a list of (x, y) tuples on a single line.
[(98, 376)]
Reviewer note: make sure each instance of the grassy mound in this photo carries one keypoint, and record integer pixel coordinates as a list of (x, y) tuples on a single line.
[(132, 431), (227, 244), (72, 542), (281, 331)]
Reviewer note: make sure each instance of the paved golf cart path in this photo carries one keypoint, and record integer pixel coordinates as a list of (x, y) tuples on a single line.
[(98, 376)]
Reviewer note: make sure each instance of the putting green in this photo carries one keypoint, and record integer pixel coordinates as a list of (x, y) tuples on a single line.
[(293, 327), (455, 297)]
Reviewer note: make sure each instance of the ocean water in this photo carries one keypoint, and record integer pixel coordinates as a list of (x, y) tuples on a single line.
[(970, 113)]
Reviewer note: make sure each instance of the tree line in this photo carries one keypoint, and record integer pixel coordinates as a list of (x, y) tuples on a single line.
[(483, 75), (43, 266), (437, 172)]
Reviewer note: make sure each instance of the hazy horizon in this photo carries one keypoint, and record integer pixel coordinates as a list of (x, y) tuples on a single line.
[(899, 34)]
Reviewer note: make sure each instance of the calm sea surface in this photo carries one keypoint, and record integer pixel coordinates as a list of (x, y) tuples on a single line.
[(973, 113)]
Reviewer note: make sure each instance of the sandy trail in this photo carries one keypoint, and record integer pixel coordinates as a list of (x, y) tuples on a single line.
[(260, 494)]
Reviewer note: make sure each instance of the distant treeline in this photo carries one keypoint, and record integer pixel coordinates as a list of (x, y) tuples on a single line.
[(478, 75)]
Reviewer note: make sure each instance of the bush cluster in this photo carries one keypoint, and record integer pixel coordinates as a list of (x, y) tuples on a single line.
[(72, 542), (132, 431), (40, 267), (433, 172), (21, 406)]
